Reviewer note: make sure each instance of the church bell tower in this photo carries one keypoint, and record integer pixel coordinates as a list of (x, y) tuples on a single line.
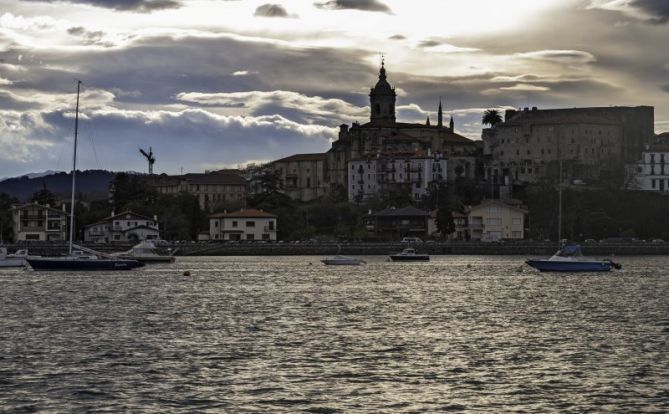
[(382, 100)]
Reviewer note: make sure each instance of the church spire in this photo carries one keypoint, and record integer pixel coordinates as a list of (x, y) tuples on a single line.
[(427, 121), (382, 71), (440, 116), (382, 99), (452, 124)]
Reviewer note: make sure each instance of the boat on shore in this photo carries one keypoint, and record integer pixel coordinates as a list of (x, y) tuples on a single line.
[(80, 259), (343, 261), (146, 251), (570, 259), (17, 259), (409, 255)]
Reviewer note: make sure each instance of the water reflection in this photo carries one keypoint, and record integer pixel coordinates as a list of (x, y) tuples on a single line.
[(461, 334)]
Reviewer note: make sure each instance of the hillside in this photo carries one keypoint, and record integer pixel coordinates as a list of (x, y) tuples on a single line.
[(91, 184)]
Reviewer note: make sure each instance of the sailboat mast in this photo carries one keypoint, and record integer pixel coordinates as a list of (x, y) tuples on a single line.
[(74, 165), (560, 206)]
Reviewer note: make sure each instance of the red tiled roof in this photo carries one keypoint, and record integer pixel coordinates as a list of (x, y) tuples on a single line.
[(245, 213)]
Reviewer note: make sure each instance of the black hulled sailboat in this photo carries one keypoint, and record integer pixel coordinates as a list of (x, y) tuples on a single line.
[(81, 258)]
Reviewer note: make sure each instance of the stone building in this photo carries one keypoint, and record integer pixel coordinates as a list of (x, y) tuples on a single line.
[(412, 172), (213, 190), (123, 227), (592, 144), (301, 175), (383, 134), (35, 222)]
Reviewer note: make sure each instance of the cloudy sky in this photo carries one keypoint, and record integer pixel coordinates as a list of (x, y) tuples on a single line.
[(217, 83)]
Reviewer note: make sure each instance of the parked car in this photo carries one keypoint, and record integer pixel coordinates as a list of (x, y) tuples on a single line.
[(657, 241), (590, 241), (411, 240)]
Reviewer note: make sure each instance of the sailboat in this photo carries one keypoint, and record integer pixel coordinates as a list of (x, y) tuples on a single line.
[(81, 258), (569, 257)]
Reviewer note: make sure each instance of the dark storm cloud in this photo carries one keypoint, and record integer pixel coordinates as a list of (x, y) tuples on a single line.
[(89, 37), (271, 10), (429, 43), (659, 9), (366, 5), (144, 6)]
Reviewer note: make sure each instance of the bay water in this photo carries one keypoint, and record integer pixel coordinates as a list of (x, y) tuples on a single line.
[(467, 334)]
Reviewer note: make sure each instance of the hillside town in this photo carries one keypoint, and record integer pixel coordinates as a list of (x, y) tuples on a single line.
[(385, 180)]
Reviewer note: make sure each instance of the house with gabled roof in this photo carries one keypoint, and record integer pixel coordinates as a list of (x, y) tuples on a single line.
[(494, 220), (245, 224), (123, 228)]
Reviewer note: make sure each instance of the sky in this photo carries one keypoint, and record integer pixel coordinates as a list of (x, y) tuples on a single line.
[(210, 84)]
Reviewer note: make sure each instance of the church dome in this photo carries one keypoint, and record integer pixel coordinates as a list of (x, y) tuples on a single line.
[(382, 86)]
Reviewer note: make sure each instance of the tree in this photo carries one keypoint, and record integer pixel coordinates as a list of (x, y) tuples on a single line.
[(491, 117), (6, 203), (43, 197)]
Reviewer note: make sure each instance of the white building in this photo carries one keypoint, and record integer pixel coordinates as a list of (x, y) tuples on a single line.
[(124, 227), (652, 172), (413, 171), (35, 222), (494, 220), (245, 224)]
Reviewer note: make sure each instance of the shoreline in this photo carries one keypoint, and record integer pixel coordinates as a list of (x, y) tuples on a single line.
[(511, 248)]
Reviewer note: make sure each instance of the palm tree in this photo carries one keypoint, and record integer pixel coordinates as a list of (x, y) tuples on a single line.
[(491, 117)]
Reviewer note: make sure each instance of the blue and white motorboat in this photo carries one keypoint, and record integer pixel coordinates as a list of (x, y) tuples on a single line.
[(570, 259)]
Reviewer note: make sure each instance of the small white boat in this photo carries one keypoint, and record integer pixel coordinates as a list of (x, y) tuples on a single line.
[(409, 255), (17, 259), (343, 261), (146, 251)]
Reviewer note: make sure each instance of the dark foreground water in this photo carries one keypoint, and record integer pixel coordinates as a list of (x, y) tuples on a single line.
[(277, 335)]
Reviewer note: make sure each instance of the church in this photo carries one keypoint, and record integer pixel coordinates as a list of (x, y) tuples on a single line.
[(381, 154)]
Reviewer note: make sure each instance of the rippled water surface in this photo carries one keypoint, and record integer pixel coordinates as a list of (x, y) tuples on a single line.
[(289, 335)]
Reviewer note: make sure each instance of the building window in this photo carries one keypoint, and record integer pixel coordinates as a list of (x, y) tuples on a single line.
[(250, 236), (234, 224), (516, 235), (271, 225), (515, 220), (494, 221), (250, 224)]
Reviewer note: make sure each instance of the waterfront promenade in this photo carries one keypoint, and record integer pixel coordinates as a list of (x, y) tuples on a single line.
[(526, 248)]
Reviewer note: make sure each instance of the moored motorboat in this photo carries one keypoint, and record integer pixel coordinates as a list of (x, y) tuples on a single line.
[(409, 255), (343, 261), (146, 251), (570, 259), (17, 259)]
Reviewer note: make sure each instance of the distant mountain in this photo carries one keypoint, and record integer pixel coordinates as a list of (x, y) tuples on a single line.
[(92, 184), (33, 175)]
